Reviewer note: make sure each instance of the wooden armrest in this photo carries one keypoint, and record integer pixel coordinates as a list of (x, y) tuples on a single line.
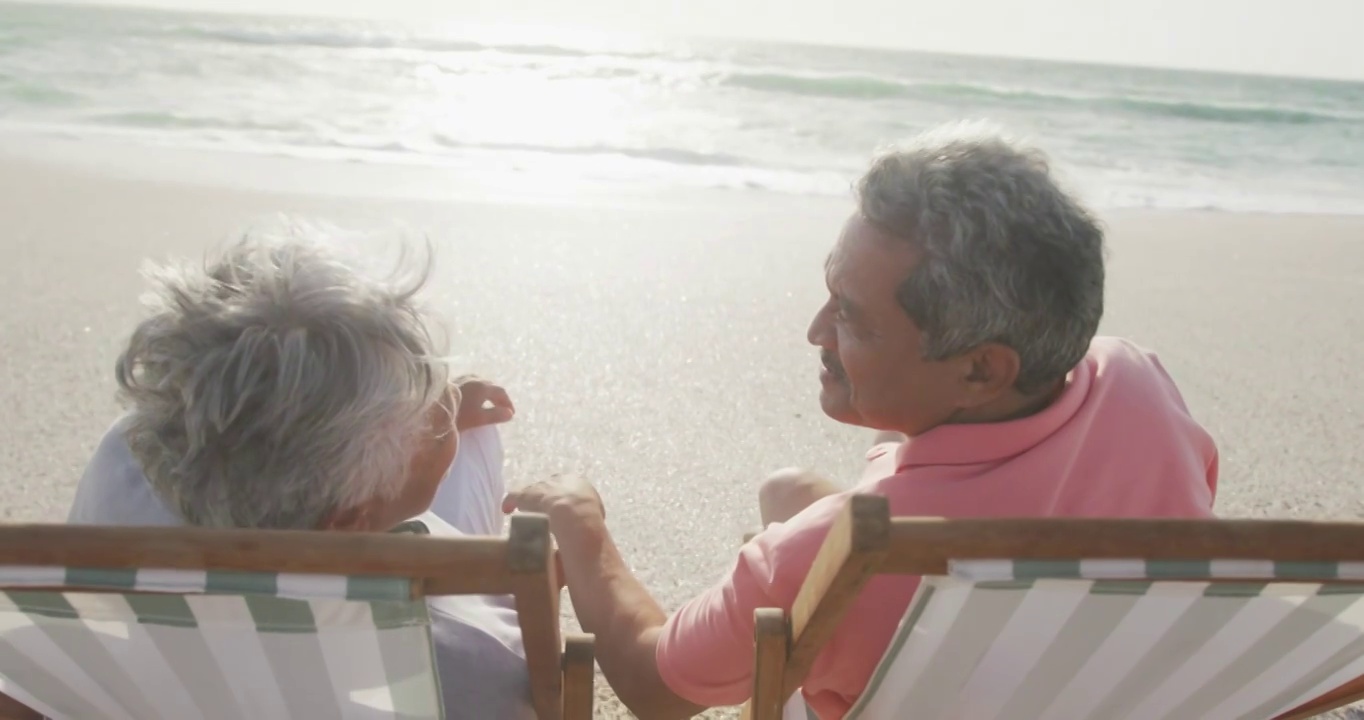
[(11, 709), (852, 552), (580, 672), (1350, 692), (772, 643)]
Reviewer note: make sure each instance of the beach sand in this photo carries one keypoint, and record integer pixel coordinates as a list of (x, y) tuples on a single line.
[(656, 341)]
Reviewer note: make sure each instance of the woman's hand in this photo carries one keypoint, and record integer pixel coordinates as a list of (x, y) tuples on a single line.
[(482, 403)]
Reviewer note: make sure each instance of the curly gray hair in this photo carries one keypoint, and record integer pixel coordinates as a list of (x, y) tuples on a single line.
[(276, 384), (1008, 257)]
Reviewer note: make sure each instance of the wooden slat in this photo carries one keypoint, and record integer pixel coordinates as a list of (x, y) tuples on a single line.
[(1346, 694), (579, 676), (852, 552), (923, 546), (536, 587), (771, 643), (11, 709), (439, 566)]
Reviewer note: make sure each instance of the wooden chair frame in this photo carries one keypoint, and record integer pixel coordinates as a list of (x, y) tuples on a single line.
[(865, 541), (521, 564)]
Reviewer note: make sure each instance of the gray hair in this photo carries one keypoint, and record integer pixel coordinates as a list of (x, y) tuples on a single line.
[(276, 384), (1008, 257)]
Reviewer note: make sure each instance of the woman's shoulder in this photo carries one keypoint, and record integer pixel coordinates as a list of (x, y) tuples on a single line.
[(113, 490)]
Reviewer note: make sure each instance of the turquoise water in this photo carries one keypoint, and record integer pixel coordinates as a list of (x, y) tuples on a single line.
[(784, 118)]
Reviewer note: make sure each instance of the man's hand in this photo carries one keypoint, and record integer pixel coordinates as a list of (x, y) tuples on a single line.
[(568, 500), (610, 602), (481, 403)]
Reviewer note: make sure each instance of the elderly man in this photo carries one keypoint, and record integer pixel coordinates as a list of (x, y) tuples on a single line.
[(279, 388), (964, 296)]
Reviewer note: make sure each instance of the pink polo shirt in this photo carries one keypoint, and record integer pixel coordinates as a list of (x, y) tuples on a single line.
[(1117, 442)]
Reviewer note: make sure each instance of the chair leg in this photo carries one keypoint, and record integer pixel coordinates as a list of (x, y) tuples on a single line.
[(772, 642), (579, 677)]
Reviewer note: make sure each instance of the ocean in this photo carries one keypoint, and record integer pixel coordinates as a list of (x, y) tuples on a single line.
[(742, 116)]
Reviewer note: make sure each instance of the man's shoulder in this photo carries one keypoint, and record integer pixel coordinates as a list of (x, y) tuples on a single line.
[(1123, 367), (1116, 355), (783, 552)]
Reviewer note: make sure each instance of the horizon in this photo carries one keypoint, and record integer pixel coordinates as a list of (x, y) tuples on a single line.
[(560, 32)]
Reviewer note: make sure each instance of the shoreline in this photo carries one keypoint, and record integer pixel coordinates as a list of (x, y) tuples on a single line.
[(417, 180)]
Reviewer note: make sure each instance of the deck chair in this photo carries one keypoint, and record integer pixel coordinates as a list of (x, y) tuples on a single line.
[(136, 623), (1071, 618)]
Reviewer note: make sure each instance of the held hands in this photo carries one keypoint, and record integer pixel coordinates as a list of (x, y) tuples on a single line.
[(568, 500), (574, 509)]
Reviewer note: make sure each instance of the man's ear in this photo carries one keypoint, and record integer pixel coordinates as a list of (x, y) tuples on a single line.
[(991, 371)]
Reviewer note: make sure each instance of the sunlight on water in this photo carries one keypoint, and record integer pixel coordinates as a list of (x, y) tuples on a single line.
[(596, 108)]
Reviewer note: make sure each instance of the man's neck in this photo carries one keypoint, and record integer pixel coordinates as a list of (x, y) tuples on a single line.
[(1012, 406)]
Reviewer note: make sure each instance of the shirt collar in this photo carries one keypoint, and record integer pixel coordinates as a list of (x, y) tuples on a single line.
[(970, 444)]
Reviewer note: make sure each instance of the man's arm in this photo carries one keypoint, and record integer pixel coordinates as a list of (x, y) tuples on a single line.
[(626, 620), (610, 602)]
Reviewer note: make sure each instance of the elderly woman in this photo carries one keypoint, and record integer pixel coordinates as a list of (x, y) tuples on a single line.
[(965, 292), (276, 387)]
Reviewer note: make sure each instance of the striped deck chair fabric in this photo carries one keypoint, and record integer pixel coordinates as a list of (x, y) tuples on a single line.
[(1084, 618), (221, 644), (179, 623), (185, 644), (1122, 639)]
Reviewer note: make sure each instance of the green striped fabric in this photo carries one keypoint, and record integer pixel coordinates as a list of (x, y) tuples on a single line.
[(184, 644), (284, 585), (1146, 569), (1070, 640)]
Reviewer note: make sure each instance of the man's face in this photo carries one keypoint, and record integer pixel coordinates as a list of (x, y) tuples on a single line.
[(874, 372)]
